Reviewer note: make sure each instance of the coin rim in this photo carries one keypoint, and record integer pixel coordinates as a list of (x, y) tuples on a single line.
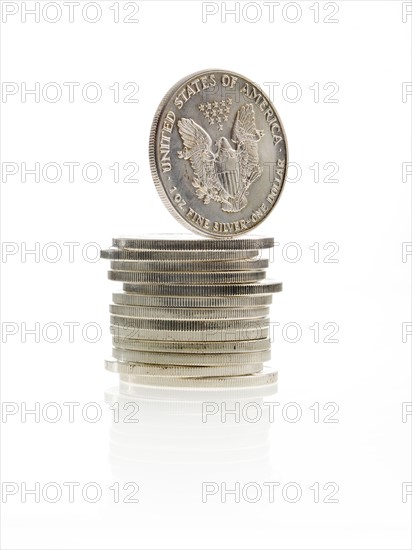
[(183, 266), (152, 156), (147, 300), (204, 290), (265, 378), (183, 313), (181, 371), (182, 243), (132, 255), (190, 359), (187, 277), (193, 347)]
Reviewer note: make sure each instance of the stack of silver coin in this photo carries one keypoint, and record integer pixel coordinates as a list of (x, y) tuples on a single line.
[(193, 311)]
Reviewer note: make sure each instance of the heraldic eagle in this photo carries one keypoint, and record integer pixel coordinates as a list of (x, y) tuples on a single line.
[(223, 176)]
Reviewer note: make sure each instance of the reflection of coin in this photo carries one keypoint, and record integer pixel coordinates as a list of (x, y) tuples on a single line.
[(201, 359), (189, 267), (188, 313), (125, 298), (218, 153), (265, 287), (191, 242), (128, 367), (264, 378), (183, 278), (246, 346), (178, 256)]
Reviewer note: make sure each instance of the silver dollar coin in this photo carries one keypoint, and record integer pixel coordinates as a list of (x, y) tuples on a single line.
[(251, 331), (184, 325), (189, 242), (185, 371), (185, 266), (177, 256), (192, 347), (263, 287), (187, 278), (144, 300), (267, 377), (188, 313), (218, 153), (196, 359)]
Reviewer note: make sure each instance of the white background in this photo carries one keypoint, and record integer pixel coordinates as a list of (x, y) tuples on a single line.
[(365, 132)]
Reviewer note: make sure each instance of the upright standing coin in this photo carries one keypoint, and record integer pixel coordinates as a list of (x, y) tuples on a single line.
[(218, 153)]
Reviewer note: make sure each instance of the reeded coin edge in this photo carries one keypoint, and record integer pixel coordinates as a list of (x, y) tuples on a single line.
[(195, 245), (148, 255), (198, 302), (181, 371), (204, 314), (183, 266), (187, 277), (263, 378), (187, 359), (187, 325), (193, 347), (204, 290)]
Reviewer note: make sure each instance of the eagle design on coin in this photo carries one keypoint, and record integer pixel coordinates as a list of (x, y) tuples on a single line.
[(223, 175)]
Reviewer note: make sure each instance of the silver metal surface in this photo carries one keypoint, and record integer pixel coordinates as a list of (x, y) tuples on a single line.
[(193, 312), (187, 278), (162, 266), (265, 287), (218, 153), (127, 298), (188, 313), (252, 332), (196, 359), (264, 378), (188, 325), (177, 256), (135, 368), (193, 347), (188, 241)]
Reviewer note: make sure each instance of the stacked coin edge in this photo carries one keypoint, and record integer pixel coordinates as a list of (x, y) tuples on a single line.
[(194, 312)]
